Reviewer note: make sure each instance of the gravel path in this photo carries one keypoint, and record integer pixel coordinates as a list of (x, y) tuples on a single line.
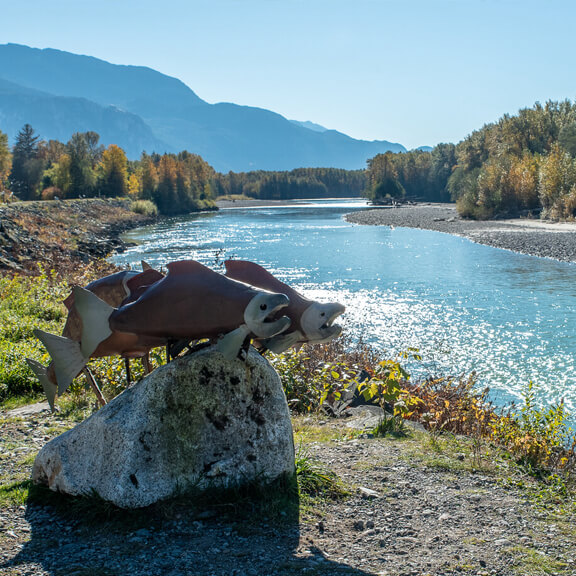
[(544, 239), (410, 512)]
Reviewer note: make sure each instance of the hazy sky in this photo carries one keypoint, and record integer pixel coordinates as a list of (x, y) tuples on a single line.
[(418, 72)]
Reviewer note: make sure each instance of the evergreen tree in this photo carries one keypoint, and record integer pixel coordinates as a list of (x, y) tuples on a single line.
[(27, 165)]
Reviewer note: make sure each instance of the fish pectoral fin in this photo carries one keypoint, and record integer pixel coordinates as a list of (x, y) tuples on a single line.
[(94, 313), (66, 355), (41, 372), (283, 342), (229, 345)]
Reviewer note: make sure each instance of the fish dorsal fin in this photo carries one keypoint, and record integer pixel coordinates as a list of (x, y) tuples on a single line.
[(50, 389), (144, 279), (66, 355), (182, 267), (255, 275), (94, 314), (145, 265)]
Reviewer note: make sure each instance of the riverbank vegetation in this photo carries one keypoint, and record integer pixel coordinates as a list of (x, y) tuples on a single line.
[(520, 165), (317, 379)]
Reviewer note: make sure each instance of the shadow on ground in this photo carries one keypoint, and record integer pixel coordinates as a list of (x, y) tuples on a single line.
[(87, 537)]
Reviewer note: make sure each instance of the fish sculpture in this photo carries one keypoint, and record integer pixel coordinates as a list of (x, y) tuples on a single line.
[(311, 322), (114, 289), (191, 302)]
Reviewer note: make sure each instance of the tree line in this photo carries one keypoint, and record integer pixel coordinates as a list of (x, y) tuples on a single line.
[(299, 183), (83, 168), (416, 175), (177, 183), (522, 164)]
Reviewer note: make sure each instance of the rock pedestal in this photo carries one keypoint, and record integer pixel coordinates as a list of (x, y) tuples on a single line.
[(195, 423)]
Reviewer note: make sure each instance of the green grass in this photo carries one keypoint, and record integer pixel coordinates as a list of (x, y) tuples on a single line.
[(315, 479), (15, 493), (26, 303), (536, 563)]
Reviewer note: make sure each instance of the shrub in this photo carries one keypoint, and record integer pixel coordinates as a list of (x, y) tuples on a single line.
[(144, 207)]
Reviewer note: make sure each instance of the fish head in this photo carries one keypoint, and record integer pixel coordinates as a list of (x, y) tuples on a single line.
[(261, 314), (317, 322)]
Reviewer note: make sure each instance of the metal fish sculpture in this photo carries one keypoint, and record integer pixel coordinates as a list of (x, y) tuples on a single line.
[(191, 302), (311, 322), (115, 289)]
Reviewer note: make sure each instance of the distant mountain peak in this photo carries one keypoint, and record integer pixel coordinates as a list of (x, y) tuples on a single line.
[(310, 125), (141, 109)]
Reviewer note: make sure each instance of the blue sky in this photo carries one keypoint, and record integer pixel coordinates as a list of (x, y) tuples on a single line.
[(411, 71)]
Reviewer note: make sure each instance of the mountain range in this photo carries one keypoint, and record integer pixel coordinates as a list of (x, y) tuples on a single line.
[(140, 109)]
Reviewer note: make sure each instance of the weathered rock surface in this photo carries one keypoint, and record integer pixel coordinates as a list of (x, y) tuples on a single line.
[(197, 422)]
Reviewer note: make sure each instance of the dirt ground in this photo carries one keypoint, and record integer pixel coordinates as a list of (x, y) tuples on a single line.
[(415, 506)]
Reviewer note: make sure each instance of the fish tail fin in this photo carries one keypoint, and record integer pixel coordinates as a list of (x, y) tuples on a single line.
[(229, 345), (41, 372), (94, 313), (66, 355)]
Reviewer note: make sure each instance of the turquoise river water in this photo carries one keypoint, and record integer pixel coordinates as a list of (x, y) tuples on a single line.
[(509, 317)]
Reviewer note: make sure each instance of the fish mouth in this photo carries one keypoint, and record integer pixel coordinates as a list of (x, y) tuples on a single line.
[(318, 322), (262, 314)]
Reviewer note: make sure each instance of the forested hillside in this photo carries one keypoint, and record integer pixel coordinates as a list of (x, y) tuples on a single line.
[(521, 164)]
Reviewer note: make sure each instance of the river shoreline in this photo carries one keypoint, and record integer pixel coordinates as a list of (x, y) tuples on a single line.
[(63, 235), (545, 239)]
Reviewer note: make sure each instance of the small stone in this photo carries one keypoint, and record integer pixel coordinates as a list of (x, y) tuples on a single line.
[(502, 542), (367, 493), (359, 525)]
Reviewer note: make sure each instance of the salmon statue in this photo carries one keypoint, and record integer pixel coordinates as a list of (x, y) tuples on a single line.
[(310, 321), (191, 302), (115, 289)]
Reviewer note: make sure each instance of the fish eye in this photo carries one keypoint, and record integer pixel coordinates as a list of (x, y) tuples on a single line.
[(323, 314), (263, 307)]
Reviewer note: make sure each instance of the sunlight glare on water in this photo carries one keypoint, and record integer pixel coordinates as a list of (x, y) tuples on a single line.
[(465, 306)]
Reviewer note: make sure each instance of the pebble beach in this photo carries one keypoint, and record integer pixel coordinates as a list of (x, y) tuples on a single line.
[(545, 239)]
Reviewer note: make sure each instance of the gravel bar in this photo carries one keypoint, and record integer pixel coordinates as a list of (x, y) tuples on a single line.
[(545, 239)]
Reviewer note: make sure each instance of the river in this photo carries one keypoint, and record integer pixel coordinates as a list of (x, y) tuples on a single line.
[(509, 317)]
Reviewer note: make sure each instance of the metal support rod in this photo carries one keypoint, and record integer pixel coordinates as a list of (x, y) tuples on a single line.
[(146, 363), (128, 373), (94, 386)]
